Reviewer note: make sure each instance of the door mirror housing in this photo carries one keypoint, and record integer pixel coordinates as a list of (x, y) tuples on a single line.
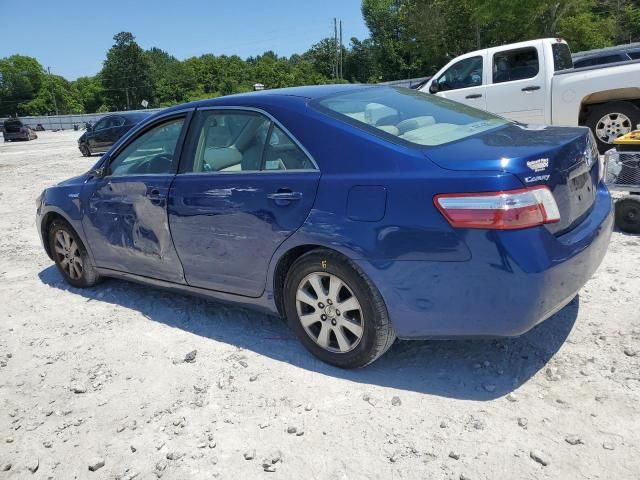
[(98, 172), (434, 87)]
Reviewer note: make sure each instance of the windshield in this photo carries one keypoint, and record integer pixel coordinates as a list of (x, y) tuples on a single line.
[(410, 116)]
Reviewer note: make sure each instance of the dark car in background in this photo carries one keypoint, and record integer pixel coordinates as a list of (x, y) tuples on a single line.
[(14, 129), (107, 131), (607, 56)]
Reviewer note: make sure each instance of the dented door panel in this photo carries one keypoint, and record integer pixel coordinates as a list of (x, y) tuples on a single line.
[(126, 223)]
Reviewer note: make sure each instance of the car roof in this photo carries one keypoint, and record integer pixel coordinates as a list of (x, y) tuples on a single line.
[(302, 94)]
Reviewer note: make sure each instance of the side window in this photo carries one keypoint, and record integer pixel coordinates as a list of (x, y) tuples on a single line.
[(240, 141), (102, 123), (282, 153), (117, 121), (517, 64), (228, 141), (463, 74), (635, 54), (150, 153)]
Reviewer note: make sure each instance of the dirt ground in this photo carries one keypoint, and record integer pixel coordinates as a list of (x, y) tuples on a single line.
[(95, 379)]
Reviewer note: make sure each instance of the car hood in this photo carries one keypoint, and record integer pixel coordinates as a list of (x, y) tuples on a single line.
[(78, 180)]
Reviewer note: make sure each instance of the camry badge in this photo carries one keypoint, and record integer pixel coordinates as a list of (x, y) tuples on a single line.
[(538, 165)]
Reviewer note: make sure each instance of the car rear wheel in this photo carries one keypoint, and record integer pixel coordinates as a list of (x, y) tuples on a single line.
[(628, 214), (335, 310), (611, 120), (71, 256)]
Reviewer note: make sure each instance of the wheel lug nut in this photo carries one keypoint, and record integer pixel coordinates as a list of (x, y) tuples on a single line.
[(333, 322), (330, 302), (338, 312), (321, 305), (323, 317)]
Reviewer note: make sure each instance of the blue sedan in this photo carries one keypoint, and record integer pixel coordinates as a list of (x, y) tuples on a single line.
[(359, 213)]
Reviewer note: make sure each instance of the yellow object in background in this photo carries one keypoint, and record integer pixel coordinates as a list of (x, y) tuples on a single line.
[(631, 138)]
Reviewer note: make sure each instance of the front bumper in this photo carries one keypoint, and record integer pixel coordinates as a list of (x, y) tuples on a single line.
[(514, 280)]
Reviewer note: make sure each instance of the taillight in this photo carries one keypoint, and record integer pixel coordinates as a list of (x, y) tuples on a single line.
[(506, 210)]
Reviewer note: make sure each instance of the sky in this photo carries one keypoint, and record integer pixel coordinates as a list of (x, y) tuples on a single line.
[(73, 36)]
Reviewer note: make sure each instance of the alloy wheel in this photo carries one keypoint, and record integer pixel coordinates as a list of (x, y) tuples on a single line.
[(68, 253), (329, 312), (611, 126)]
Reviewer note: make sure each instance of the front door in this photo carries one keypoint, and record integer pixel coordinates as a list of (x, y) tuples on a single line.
[(125, 212), (244, 187), (518, 88), (464, 82)]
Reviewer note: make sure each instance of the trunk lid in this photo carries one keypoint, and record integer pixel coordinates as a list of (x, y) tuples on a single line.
[(12, 126), (563, 159)]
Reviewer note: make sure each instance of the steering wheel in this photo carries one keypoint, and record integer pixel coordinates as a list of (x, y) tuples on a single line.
[(159, 164)]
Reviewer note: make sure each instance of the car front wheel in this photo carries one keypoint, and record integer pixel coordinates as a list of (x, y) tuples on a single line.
[(335, 310), (71, 256), (85, 150)]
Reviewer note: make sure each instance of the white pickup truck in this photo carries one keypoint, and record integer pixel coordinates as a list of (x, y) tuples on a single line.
[(535, 82)]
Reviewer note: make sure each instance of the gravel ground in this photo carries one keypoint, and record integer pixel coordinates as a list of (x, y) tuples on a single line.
[(93, 383)]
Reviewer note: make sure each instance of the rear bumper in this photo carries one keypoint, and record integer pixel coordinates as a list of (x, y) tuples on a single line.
[(15, 135), (514, 280)]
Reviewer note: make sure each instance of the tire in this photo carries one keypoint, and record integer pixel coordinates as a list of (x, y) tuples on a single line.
[(366, 332), (84, 149), (64, 244), (612, 120), (628, 214)]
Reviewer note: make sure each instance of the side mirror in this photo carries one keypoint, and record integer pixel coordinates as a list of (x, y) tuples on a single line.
[(98, 172), (434, 87)]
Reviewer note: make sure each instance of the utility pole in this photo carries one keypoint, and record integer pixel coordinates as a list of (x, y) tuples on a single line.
[(53, 93), (341, 50), (126, 90), (335, 47)]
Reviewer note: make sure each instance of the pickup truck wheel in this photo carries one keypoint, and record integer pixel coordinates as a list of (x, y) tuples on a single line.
[(628, 214), (611, 120)]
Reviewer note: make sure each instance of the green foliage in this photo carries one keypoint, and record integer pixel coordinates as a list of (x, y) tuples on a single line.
[(126, 74), (21, 78)]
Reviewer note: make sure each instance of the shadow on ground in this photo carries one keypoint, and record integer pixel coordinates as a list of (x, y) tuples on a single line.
[(462, 369)]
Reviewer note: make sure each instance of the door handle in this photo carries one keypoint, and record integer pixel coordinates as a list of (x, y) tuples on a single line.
[(531, 88), (474, 95), (284, 197), (155, 197)]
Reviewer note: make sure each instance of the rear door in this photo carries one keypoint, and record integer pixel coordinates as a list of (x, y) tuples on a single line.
[(245, 185), (125, 212), (465, 82), (517, 87)]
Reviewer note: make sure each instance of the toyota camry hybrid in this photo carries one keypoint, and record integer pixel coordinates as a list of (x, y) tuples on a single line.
[(360, 213)]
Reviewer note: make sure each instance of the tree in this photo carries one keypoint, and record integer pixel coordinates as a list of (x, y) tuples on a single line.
[(322, 56), (126, 74), (360, 62), (67, 98), (91, 93), (394, 50), (21, 78)]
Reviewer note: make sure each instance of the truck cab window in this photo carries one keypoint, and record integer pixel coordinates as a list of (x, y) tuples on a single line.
[(518, 64)]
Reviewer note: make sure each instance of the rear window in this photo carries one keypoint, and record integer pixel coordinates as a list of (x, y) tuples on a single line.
[(406, 115), (561, 56)]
